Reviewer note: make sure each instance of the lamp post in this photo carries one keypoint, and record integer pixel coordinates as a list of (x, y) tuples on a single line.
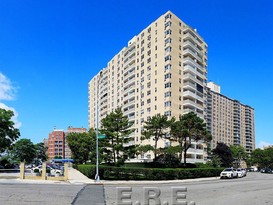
[(97, 177)]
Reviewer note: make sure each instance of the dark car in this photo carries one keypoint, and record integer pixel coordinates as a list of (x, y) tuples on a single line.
[(267, 170)]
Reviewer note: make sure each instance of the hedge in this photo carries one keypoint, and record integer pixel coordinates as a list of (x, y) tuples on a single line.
[(121, 173)]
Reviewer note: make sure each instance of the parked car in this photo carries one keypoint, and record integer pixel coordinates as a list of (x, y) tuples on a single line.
[(241, 172), (229, 173), (267, 170)]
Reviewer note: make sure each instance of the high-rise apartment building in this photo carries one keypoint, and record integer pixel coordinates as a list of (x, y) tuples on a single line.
[(57, 144), (162, 70), (228, 120)]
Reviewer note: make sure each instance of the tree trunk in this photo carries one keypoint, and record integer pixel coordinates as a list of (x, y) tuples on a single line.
[(185, 158), (180, 152), (155, 152)]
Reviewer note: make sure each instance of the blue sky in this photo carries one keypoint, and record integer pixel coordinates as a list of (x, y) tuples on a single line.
[(49, 50)]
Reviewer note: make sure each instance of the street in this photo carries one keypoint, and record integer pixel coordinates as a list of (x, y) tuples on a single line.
[(254, 189)]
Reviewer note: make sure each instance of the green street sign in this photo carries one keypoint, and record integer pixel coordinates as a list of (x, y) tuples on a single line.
[(101, 136)]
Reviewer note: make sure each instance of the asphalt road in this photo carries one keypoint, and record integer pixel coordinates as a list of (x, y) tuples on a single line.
[(255, 189)]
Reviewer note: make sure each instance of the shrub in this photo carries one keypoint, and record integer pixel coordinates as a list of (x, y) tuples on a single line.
[(166, 160), (121, 173)]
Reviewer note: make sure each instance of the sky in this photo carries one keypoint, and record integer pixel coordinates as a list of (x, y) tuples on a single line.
[(50, 50)]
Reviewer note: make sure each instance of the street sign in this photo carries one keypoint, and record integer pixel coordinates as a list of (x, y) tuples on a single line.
[(101, 136)]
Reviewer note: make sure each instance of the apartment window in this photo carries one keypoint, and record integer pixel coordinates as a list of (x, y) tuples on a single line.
[(168, 113), (168, 104), (149, 76), (168, 94), (168, 49), (168, 85), (155, 98), (169, 23), (168, 67), (148, 92), (168, 58), (168, 16), (168, 32), (155, 107), (168, 40), (148, 68), (168, 75), (148, 84), (149, 101), (148, 60)]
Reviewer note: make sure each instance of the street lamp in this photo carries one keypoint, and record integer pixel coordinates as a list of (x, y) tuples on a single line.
[(97, 177)]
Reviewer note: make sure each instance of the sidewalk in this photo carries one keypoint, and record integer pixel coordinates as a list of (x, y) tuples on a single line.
[(76, 177)]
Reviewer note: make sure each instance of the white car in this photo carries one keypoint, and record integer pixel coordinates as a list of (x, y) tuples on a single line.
[(229, 173), (241, 172)]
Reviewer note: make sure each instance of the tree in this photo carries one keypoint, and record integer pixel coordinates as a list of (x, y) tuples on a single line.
[(156, 127), (40, 152), (187, 129), (264, 158), (8, 133), (24, 150), (117, 129), (81, 144), (224, 152), (238, 153)]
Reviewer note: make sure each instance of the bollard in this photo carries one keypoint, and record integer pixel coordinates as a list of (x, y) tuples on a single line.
[(22, 170)]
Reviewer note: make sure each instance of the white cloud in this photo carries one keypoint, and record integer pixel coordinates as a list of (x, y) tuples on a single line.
[(17, 124), (7, 90), (263, 144)]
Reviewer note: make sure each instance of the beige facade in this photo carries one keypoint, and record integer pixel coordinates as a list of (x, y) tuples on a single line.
[(229, 121), (162, 70)]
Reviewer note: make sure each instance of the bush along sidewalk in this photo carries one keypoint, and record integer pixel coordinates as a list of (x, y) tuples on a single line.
[(121, 173)]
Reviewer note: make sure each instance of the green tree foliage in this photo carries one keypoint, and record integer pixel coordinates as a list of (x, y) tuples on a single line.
[(24, 150), (141, 149), (117, 129), (215, 161), (41, 152), (8, 133), (225, 154), (167, 160), (187, 129), (238, 153), (263, 157), (156, 128), (81, 144)]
